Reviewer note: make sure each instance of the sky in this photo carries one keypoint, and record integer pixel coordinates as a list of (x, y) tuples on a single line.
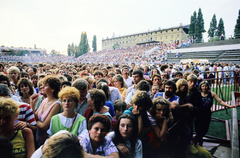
[(53, 24)]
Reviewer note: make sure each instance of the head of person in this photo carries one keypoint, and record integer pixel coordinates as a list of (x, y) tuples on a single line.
[(204, 86), (32, 71), (156, 79), (63, 145), (192, 81), (142, 100), (1, 67), (9, 110), (70, 72), (165, 75), (143, 86), (52, 85), (65, 84), (118, 71), (125, 71), (126, 129), (170, 88), (182, 88), (160, 106), (119, 81), (34, 79), (62, 78), (105, 71), (13, 72), (137, 76), (96, 99), (4, 79), (61, 72), (40, 87), (69, 97), (154, 71), (25, 86), (4, 90), (6, 148), (90, 81), (104, 86), (98, 75), (110, 76), (82, 87), (155, 89), (119, 107), (178, 74), (186, 74), (98, 125), (24, 75)]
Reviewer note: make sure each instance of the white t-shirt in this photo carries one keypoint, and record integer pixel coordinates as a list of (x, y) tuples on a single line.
[(128, 81)]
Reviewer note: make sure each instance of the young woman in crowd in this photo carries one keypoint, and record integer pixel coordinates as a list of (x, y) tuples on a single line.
[(25, 90), (204, 112), (154, 90), (48, 108), (120, 85), (68, 119), (22, 140), (94, 142), (13, 72), (125, 137), (119, 107)]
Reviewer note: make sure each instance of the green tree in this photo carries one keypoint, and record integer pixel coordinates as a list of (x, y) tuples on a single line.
[(83, 45), (23, 52), (192, 25), (69, 50), (220, 29), (94, 43), (213, 27), (237, 27), (199, 26)]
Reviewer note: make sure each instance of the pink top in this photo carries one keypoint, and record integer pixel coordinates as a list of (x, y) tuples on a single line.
[(42, 116)]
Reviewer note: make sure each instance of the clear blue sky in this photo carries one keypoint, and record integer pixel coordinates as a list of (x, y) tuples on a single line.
[(54, 24)]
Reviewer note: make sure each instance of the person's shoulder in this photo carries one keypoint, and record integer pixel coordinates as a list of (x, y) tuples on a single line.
[(158, 94)]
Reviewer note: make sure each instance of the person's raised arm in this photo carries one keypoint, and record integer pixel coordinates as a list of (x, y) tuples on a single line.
[(45, 124), (160, 133), (221, 102)]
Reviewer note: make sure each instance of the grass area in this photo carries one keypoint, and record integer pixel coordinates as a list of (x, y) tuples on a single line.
[(218, 129), (226, 92)]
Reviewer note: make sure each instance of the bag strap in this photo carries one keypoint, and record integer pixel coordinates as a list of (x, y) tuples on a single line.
[(73, 122)]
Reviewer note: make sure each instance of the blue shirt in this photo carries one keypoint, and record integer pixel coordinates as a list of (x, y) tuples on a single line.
[(171, 99)]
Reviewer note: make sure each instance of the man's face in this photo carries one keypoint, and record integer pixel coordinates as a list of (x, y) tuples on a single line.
[(136, 78), (133, 65), (125, 71), (83, 93), (13, 74), (70, 73), (168, 90), (157, 80), (35, 81), (98, 76), (30, 71), (164, 75)]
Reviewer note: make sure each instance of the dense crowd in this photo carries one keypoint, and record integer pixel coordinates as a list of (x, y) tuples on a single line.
[(67, 109)]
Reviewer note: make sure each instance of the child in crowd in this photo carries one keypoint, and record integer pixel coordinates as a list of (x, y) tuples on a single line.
[(119, 107), (154, 90)]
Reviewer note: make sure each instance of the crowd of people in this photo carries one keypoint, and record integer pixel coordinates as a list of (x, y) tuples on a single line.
[(67, 109)]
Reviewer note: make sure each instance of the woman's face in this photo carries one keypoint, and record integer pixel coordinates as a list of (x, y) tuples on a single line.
[(6, 121), (154, 90), (117, 83), (183, 88), (154, 71), (47, 89), (68, 104), (97, 132), (191, 84), (24, 88), (90, 85), (125, 128), (90, 102), (204, 87), (13, 74), (160, 109)]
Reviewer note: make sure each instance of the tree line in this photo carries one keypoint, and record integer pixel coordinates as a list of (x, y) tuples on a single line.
[(215, 32), (82, 47)]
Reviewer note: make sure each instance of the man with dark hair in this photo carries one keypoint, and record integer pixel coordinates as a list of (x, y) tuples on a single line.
[(34, 80), (32, 71), (137, 77), (127, 79), (156, 79), (178, 74)]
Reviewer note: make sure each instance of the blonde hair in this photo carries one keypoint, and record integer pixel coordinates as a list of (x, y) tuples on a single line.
[(192, 77), (71, 92), (63, 145), (13, 68), (8, 106), (179, 83)]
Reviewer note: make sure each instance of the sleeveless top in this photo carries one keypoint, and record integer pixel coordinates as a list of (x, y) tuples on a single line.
[(57, 125), (42, 116), (207, 103), (18, 142)]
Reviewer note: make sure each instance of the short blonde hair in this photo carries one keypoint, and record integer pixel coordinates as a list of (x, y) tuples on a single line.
[(63, 145), (8, 106), (13, 68), (71, 92), (192, 77), (179, 83)]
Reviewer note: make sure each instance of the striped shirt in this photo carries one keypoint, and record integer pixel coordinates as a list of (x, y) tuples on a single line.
[(26, 114)]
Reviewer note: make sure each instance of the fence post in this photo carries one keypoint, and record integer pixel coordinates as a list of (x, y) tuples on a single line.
[(234, 130)]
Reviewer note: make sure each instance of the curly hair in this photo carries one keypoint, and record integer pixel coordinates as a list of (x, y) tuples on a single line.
[(63, 145), (143, 86), (8, 106), (179, 83), (103, 119), (54, 83), (25, 82), (13, 68), (120, 105), (71, 92), (159, 101), (134, 136), (141, 99), (99, 98)]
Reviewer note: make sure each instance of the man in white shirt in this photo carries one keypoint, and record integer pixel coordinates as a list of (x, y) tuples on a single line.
[(126, 77)]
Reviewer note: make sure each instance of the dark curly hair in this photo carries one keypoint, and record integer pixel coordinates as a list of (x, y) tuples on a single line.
[(26, 82), (103, 119)]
